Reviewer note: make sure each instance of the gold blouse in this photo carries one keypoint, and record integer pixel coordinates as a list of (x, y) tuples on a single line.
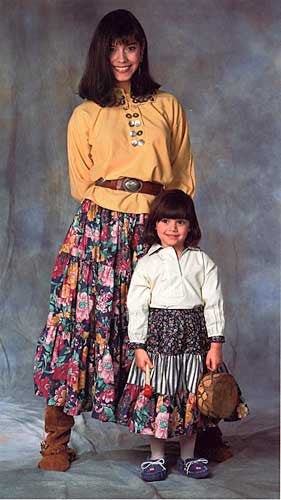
[(145, 140)]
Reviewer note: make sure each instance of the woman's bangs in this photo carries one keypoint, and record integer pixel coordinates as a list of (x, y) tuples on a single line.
[(125, 39)]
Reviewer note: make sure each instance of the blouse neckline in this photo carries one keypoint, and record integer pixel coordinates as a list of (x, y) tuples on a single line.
[(123, 97)]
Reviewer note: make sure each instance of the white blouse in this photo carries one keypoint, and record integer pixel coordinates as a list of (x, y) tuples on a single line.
[(162, 280)]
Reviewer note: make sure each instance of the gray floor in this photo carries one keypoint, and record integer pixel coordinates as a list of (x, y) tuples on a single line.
[(109, 457)]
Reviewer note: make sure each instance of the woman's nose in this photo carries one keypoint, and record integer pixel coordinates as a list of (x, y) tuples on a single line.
[(122, 55)]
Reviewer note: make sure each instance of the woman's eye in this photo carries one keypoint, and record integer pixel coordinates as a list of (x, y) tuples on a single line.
[(112, 49), (131, 48)]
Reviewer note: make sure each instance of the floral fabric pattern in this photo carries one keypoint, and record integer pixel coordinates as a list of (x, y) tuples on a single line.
[(175, 331), (82, 358), (162, 416)]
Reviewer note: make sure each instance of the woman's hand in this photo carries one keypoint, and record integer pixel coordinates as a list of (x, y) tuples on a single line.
[(142, 359), (214, 356)]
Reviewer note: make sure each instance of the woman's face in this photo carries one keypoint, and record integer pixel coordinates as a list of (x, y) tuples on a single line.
[(125, 60)]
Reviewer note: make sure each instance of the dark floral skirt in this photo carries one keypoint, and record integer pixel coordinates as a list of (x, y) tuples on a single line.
[(177, 345), (83, 359)]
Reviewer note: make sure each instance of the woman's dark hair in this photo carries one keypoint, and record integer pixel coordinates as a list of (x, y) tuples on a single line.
[(98, 80), (172, 204)]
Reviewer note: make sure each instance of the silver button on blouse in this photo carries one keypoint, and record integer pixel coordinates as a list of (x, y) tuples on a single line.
[(141, 142), (133, 133), (134, 142)]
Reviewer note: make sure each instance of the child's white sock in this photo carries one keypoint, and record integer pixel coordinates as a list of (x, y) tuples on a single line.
[(187, 444), (157, 447)]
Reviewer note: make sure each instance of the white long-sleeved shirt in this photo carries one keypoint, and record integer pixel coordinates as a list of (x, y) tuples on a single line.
[(162, 280)]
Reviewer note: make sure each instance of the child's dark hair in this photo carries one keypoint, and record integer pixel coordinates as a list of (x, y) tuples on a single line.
[(172, 204)]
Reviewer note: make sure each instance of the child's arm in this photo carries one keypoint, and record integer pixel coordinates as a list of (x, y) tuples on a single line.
[(138, 302), (213, 311)]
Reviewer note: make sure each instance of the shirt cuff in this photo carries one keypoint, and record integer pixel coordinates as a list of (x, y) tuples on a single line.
[(137, 345), (217, 339)]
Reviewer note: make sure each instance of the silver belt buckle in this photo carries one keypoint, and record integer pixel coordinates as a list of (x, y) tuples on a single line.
[(132, 185), (100, 181)]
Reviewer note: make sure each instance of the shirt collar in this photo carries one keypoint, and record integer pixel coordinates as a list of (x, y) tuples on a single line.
[(122, 97), (157, 247)]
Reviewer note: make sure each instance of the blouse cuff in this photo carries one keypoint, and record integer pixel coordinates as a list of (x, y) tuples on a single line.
[(136, 345), (217, 339)]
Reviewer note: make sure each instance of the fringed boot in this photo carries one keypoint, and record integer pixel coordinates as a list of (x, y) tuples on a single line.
[(210, 444), (56, 454)]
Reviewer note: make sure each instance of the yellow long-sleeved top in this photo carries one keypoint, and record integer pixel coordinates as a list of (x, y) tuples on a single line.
[(144, 140)]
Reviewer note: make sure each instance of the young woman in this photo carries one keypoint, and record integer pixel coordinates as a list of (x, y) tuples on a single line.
[(127, 142)]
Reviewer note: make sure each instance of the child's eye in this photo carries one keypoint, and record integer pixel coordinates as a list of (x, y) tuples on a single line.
[(165, 221), (131, 48), (182, 221), (112, 49)]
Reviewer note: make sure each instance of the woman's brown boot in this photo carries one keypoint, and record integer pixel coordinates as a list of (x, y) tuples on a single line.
[(210, 444), (56, 454)]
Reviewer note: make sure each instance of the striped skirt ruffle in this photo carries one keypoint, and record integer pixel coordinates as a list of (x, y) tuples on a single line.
[(171, 374)]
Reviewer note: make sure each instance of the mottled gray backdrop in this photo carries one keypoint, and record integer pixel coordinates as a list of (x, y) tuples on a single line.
[(222, 59)]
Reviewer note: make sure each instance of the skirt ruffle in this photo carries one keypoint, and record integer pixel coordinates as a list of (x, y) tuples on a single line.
[(168, 415), (171, 374), (82, 358), (162, 415)]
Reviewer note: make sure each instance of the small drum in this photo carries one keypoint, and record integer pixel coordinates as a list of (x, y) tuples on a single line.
[(217, 395)]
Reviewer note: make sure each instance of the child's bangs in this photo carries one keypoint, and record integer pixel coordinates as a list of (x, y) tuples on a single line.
[(173, 212)]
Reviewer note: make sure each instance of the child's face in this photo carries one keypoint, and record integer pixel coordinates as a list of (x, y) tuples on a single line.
[(173, 232)]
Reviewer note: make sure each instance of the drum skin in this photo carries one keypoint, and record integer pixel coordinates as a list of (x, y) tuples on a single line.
[(217, 395)]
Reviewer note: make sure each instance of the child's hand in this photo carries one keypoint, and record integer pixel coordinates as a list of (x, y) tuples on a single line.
[(214, 356), (142, 359)]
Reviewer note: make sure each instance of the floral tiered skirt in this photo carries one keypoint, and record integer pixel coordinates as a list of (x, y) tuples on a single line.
[(177, 345), (82, 359)]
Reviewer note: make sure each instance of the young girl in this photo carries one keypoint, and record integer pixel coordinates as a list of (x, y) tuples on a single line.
[(176, 326)]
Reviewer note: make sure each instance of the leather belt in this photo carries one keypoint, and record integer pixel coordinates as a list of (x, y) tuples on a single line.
[(131, 185)]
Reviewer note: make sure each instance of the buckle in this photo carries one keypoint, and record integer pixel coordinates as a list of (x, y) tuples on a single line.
[(100, 181), (132, 185)]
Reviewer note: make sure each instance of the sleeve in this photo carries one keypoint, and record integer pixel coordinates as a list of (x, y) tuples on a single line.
[(213, 299), (79, 153), (181, 153), (138, 302)]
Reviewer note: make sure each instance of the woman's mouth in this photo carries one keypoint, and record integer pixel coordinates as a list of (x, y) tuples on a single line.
[(122, 69)]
